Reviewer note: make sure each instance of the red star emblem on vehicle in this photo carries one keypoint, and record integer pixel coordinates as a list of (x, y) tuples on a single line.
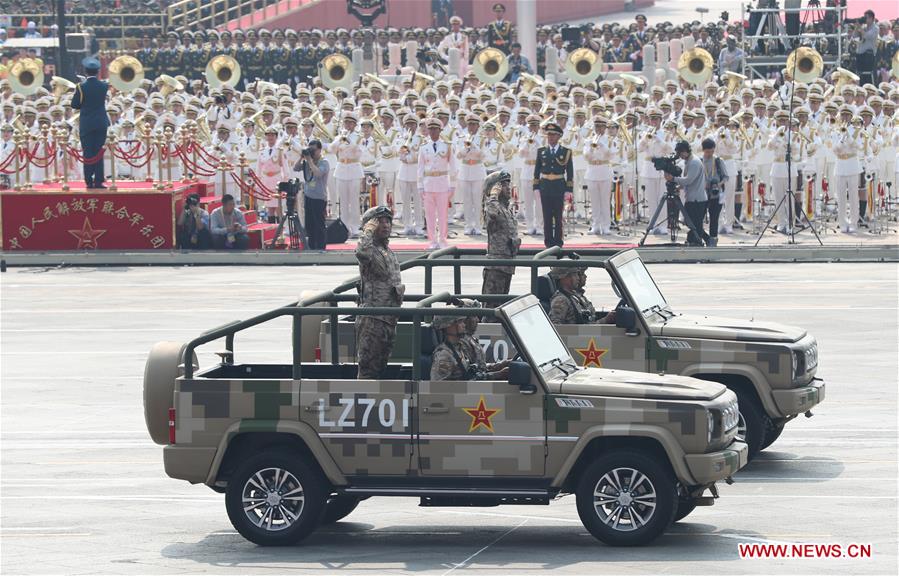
[(87, 236), (481, 416), (592, 355)]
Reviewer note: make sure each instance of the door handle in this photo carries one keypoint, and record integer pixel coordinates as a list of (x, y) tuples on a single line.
[(317, 408), (436, 409)]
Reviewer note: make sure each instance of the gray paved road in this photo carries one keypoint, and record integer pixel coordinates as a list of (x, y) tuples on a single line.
[(82, 488)]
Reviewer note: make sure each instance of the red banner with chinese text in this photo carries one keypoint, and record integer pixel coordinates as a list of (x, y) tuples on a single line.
[(87, 220)]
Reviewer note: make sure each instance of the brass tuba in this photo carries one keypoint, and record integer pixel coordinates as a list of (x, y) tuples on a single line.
[(168, 85), (421, 81), (583, 66), (60, 86), (126, 73), (222, 70), (631, 82), (490, 66), (529, 81), (806, 63), (26, 76), (336, 71), (695, 66), (842, 77)]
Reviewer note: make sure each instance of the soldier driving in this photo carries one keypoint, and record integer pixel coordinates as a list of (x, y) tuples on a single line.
[(450, 361), (569, 305), (472, 346), (502, 232), (381, 287)]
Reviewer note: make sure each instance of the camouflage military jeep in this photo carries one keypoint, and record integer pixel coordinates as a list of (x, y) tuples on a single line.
[(297, 445), (771, 367)]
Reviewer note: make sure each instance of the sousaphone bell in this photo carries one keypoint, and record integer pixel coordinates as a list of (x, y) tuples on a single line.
[(126, 73), (222, 70), (490, 66), (583, 66), (336, 71), (695, 66), (26, 76)]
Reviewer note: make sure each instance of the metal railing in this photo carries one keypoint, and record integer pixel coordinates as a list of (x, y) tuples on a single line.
[(119, 28), (208, 14)]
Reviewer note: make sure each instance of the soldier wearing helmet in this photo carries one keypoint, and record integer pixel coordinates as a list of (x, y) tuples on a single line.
[(472, 346), (569, 304), (502, 232), (381, 287)]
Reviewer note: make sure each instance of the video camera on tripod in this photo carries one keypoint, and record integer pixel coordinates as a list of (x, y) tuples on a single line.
[(290, 189), (667, 164)]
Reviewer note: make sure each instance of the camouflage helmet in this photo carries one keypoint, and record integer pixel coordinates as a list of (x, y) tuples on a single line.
[(469, 303), (377, 212), (444, 322), (558, 272)]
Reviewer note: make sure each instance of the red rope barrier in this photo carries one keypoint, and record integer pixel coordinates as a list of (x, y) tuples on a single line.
[(249, 190)]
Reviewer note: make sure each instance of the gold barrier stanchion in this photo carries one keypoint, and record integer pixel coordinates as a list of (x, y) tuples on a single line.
[(57, 136), (111, 145), (147, 133), (167, 136), (44, 140), (159, 143), (27, 142), (17, 141), (64, 134), (243, 164), (194, 130)]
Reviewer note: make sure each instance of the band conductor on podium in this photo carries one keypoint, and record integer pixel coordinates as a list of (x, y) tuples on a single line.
[(90, 99)]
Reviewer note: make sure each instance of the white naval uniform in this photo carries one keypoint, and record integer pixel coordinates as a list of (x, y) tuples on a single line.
[(653, 145), (225, 151), (435, 164), (846, 170), (410, 201), (470, 181), (779, 177), (388, 165), (597, 153), (349, 175), (271, 168), (727, 146), (529, 198)]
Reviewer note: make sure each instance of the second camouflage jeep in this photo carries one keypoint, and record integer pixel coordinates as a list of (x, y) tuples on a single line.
[(296, 445), (771, 367)]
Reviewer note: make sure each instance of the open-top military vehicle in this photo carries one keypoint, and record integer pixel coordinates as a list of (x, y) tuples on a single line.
[(298, 444), (771, 367)]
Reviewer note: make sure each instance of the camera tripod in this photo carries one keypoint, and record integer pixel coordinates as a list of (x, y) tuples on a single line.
[(295, 230), (673, 204)]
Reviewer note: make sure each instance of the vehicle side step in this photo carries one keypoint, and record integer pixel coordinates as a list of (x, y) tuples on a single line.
[(480, 501)]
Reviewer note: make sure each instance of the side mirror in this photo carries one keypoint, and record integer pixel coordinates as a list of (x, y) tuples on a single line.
[(626, 317), (520, 374)]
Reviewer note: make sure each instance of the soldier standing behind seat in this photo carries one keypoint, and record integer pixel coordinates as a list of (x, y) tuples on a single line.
[(569, 305), (381, 287), (502, 232)]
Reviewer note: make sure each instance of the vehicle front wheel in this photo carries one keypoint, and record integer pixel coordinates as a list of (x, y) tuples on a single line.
[(275, 499), (338, 508), (773, 433), (685, 507), (626, 498)]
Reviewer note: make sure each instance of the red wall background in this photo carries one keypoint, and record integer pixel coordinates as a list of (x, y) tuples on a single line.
[(417, 13)]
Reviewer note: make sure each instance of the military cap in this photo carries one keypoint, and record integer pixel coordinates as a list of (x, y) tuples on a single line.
[(223, 127), (866, 111), (411, 119), (290, 121), (552, 128), (377, 212), (91, 64), (435, 123)]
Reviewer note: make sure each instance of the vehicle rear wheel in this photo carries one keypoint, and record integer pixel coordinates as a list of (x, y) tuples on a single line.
[(338, 508), (275, 499), (752, 424), (626, 498), (773, 433)]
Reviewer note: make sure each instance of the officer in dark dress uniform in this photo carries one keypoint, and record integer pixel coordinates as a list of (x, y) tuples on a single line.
[(553, 178), (499, 32), (90, 99), (148, 56)]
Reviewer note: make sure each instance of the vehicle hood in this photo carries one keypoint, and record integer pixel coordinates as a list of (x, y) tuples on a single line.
[(626, 384), (717, 328)]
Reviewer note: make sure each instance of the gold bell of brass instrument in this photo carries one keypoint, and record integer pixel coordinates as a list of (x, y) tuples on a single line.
[(583, 66), (842, 77), (623, 130), (336, 71), (529, 81), (26, 76), (734, 81), (695, 66), (372, 78), (631, 82), (60, 86), (807, 64), (126, 73), (168, 85), (320, 126), (490, 66), (222, 70)]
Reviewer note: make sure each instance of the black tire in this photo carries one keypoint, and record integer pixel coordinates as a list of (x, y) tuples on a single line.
[(656, 519), (773, 433), (282, 531), (339, 507), (754, 419), (685, 507)]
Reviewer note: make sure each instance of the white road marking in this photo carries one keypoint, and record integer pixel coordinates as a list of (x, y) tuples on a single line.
[(501, 536)]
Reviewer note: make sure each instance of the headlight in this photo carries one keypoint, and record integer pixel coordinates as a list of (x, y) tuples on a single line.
[(730, 417), (811, 357), (711, 425), (798, 363)]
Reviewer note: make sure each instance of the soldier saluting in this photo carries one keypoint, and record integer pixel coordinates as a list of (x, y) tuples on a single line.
[(502, 232), (381, 287), (553, 178)]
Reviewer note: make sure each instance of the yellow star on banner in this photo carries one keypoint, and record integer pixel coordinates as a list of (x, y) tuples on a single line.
[(481, 415), (592, 355), (87, 236)]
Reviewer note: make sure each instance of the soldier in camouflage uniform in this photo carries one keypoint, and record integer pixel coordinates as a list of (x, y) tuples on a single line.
[(381, 287), (502, 232), (449, 361), (472, 346), (569, 305)]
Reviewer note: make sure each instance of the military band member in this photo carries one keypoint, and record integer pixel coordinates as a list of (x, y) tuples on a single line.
[(435, 163), (502, 232), (597, 152), (271, 168), (410, 200), (458, 40), (553, 177), (529, 144), (349, 173), (381, 287), (470, 154)]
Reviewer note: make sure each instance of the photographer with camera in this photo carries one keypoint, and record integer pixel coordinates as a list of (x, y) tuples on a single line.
[(193, 226), (693, 183), (228, 226), (866, 48), (315, 170), (517, 64), (716, 177)]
